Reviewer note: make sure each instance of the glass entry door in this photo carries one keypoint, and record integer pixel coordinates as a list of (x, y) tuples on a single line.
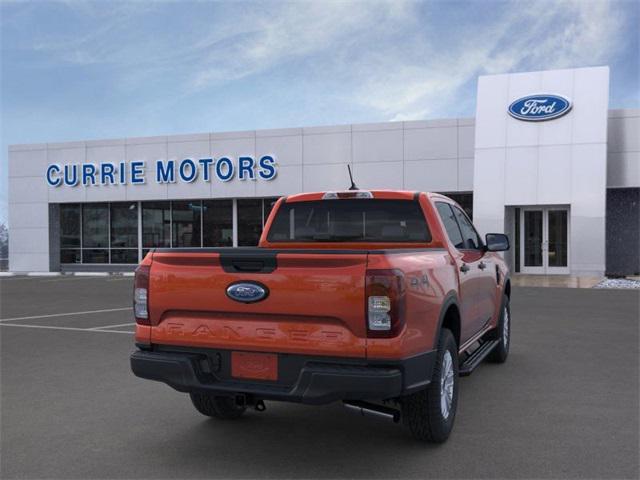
[(544, 241)]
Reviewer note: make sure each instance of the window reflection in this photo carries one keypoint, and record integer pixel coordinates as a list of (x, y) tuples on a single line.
[(249, 222), (156, 224), (95, 225), (108, 232), (217, 223), (186, 223)]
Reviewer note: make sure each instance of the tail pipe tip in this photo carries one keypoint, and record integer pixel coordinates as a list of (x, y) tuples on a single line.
[(373, 410)]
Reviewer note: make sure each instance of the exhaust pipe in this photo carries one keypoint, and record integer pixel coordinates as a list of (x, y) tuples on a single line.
[(373, 410)]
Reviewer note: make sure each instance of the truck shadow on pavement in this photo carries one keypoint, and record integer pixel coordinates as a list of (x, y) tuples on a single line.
[(289, 440)]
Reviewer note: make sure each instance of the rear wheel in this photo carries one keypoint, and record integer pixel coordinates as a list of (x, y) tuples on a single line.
[(503, 333), (430, 413), (217, 406)]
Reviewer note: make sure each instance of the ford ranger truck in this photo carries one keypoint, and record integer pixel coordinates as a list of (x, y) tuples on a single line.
[(378, 299)]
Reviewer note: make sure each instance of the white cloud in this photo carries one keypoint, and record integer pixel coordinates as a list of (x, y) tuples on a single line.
[(391, 57), (537, 36)]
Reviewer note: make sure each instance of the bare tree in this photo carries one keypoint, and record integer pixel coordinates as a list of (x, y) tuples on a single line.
[(4, 246)]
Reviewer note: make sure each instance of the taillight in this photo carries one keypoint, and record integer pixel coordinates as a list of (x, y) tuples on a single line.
[(141, 295), (385, 294)]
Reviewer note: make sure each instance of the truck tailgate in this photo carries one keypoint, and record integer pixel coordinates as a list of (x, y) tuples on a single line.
[(315, 304)]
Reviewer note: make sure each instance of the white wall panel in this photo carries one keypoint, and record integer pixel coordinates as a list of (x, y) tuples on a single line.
[(378, 175), (377, 146), (29, 262), (319, 178), (588, 180), (287, 150), (465, 174), (466, 141), (554, 172), (233, 147), (491, 122), (558, 131), (587, 245), (28, 163), (28, 189), (431, 175), (624, 134), (488, 183), (623, 169), (29, 240), (327, 148), (591, 104), (28, 215), (287, 182), (521, 176), (431, 143)]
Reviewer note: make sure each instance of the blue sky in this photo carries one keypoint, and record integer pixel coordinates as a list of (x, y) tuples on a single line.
[(84, 70)]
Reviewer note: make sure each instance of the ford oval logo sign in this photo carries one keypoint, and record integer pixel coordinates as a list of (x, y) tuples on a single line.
[(536, 108), (247, 292)]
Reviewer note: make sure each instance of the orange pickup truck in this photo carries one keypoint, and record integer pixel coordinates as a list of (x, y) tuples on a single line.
[(378, 299)]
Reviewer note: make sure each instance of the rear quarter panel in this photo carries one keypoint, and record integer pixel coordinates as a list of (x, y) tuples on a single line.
[(429, 277)]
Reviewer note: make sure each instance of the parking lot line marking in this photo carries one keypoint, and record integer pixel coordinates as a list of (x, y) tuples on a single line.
[(49, 327), (69, 278), (65, 314), (113, 326), (131, 332)]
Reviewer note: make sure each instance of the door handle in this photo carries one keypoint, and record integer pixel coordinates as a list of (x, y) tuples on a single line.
[(464, 268), (482, 265)]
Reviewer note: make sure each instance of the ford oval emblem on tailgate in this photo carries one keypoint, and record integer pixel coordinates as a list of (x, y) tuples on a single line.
[(247, 292)]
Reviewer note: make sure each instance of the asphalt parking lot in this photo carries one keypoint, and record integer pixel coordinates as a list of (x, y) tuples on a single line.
[(565, 405)]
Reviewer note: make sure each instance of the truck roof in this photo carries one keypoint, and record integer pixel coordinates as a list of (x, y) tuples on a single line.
[(383, 194)]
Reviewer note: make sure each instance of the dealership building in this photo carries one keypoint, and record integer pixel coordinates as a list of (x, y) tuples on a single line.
[(544, 160)]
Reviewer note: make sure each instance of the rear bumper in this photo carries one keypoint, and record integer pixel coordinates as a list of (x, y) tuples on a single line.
[(303, 379)]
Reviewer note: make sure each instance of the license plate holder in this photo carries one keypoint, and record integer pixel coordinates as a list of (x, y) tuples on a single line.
[(254, 366)]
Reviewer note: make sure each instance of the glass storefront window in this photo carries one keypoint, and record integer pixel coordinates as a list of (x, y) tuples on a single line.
[(217, 223), (95, 225), (70, 233), (156, 224), (127, 255), (108, 232), (124, 225), (95, 255), (185, 224), (249, 222), (68, 255), (69, 226), (268, 206)]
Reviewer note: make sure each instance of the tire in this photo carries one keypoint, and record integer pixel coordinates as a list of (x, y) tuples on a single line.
[(503, 333), (221, 407), (428, 413)]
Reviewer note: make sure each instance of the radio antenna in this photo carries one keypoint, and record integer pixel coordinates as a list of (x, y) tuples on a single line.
[(353, 185)]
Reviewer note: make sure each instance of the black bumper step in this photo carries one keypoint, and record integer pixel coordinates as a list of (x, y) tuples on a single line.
[(472, 361)]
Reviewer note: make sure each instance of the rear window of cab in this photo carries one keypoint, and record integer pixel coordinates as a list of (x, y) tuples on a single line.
[(350, 220)]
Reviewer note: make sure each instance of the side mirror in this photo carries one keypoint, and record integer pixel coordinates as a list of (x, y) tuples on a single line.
[(496, 242)]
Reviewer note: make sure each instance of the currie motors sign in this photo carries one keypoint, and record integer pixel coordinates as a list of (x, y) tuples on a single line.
[(188, 170), (536, 108)]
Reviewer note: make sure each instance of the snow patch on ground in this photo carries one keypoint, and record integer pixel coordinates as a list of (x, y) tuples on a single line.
[(618, 283)]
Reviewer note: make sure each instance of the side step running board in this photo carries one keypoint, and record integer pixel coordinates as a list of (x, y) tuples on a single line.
[(469, 365)]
